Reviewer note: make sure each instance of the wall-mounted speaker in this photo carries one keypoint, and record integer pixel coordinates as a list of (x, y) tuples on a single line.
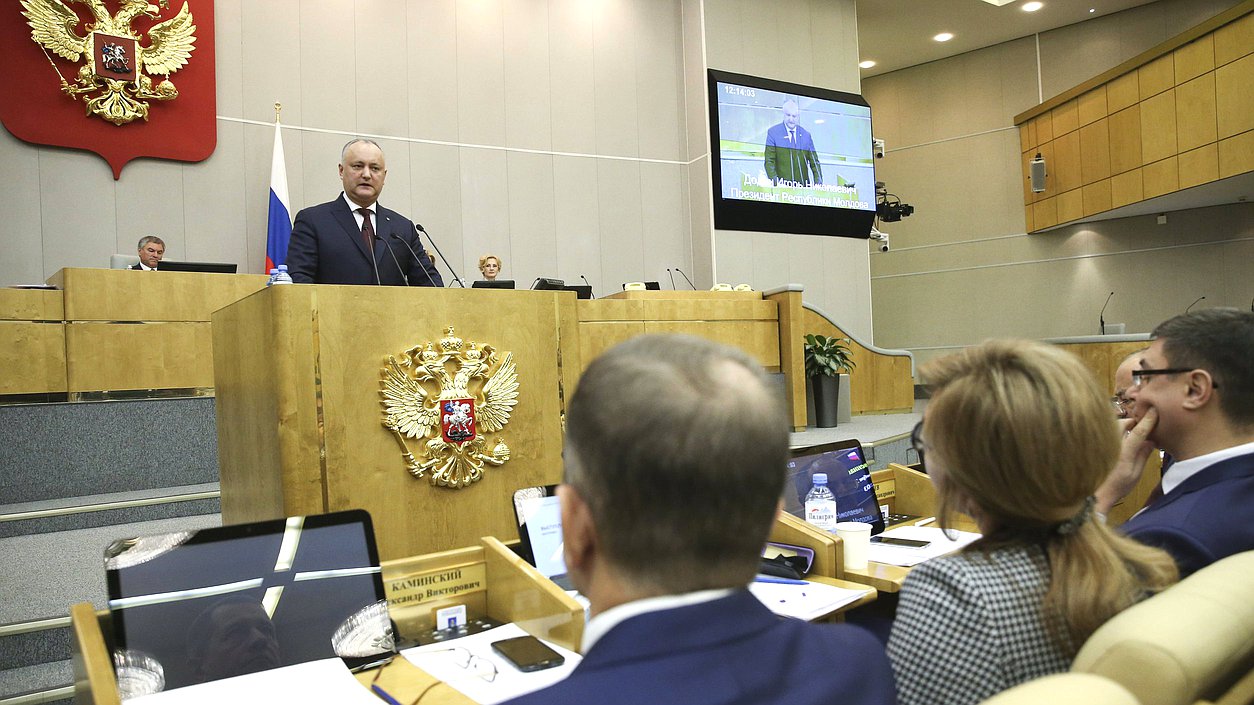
[(1036, 168)]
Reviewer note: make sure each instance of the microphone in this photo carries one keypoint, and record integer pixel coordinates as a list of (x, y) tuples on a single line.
[(672, 276), (394, 259), (374, 262), (441, 254), (398, 238), (585, 281), (685, 276), (1101, 317), (1194, 303)]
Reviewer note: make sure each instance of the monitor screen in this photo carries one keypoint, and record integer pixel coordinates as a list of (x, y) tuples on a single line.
[(221, 602), (492, 284), (210, 267), (848, 477), (790, 158)]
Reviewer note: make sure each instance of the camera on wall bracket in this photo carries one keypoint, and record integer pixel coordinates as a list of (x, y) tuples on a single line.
[(880, 237), (888, 207)]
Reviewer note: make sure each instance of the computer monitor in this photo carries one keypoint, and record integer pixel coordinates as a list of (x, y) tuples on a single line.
[(220, 602), (493, 284), (210, 267)]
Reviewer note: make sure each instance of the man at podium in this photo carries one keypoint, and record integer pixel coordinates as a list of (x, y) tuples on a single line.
[(354, 240), (674, 464)]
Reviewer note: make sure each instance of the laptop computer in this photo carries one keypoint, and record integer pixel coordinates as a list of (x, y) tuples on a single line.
[(848, 477), (203, 605), (540, 532)]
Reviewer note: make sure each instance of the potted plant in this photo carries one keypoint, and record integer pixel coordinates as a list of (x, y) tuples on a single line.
[(826, 359)]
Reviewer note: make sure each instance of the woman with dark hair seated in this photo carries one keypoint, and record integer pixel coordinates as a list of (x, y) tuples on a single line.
[(1017, 435)]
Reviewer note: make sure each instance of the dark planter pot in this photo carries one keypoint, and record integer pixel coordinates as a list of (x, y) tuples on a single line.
[(825, 393)]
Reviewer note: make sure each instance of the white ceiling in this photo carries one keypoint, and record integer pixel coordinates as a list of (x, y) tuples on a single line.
[(898, 33)]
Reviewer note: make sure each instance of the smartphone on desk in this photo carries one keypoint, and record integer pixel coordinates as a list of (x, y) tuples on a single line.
[(904, 543), (528, 653)]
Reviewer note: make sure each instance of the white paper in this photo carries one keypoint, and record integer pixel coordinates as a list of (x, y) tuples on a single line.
[(906, 557), (509, 683), (808, 601), (322, 681)]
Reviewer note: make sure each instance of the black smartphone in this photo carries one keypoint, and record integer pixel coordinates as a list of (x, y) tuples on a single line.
[(907, 543), (528, 653)]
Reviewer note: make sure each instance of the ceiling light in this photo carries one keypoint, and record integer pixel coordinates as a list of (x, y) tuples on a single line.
[(1092, 9), (944, 36), (1032, 6), (866, 64)]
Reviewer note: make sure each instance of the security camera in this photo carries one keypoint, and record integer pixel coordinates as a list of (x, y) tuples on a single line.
[(880, 237), (877, 147)]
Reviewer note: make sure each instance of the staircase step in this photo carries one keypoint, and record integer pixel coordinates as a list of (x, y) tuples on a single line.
[(64, 514)]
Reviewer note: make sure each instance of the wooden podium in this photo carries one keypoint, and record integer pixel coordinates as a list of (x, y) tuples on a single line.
[(299, 409)]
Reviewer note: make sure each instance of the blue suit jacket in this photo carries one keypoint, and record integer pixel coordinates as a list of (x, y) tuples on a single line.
[(327, 248), (1208, 517), (729, 651)]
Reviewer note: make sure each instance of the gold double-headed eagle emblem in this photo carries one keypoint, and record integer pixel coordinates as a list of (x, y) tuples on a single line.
[(446, 396), (113, 81)]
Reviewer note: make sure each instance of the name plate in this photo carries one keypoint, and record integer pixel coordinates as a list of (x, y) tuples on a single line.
[(885, 489), (442, 584)]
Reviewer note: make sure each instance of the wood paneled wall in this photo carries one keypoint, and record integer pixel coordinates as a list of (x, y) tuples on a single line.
[(1179, 115)]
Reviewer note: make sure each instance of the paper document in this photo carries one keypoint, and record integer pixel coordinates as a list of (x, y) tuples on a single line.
[(471, 679), (903, 556), (808, 601), (323, 681)]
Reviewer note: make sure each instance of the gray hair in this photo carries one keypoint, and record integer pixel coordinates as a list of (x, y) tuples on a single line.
[(355, 140), (678, 446), (150, 239)]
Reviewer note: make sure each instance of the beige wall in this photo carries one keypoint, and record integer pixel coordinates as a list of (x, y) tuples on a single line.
[(811, 42), (551, 132), (567, 136), (961, 268)]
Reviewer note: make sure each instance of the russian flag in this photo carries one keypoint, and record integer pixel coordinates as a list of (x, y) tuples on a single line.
[(279, 226)]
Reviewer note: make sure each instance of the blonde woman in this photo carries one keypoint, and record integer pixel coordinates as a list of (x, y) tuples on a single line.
[(490, 267), (1019, 436)]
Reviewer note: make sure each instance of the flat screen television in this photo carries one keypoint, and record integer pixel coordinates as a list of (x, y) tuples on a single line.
[(788, 158)]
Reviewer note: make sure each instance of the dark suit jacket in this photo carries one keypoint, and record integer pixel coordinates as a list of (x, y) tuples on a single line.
[(728, 651), (1208, 517), (137, 265), (327, 248), (786, 160)]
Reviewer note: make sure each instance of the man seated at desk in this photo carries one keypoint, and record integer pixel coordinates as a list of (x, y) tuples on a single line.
[(150, 249), (674, 462), (1194, 389)]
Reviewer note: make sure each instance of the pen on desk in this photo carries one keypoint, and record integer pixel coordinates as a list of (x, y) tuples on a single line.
[(384, 695), (781, 581), (925, 522)]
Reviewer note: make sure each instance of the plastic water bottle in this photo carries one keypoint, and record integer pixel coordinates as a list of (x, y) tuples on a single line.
[(282, 277), (273, 273), (821, 504)]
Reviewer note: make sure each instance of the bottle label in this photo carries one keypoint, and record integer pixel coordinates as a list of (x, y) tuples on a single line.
[(821, 513)]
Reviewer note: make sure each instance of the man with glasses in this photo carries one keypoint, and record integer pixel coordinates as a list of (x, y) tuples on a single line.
[(1194, 390), (674, 464), (353, 239)]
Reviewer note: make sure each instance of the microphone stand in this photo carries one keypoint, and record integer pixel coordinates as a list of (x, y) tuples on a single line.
[(672, 276), (394, 259), (1101, 317), (373, 262), (685, 276), (430, 239), (585, 281), (397, 237), (1194, 303)]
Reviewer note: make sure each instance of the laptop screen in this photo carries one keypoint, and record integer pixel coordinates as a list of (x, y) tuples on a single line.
[(848, 477), (221, 602)]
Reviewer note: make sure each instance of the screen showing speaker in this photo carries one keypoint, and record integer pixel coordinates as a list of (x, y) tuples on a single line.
[(790, 158)]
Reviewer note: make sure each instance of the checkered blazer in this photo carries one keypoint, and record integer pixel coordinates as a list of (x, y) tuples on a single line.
[(971, 625)]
